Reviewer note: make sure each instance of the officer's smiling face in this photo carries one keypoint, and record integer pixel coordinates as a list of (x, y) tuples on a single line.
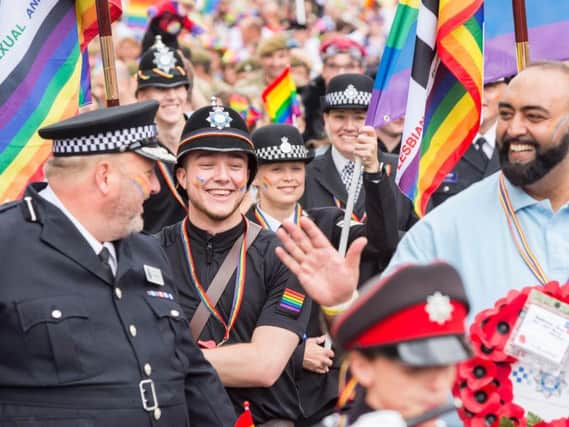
[(216, 183), (280, 184), (391, 385), (172, 102), (342, 127)]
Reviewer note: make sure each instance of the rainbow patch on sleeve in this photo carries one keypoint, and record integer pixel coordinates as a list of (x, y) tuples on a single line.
[(292, 300)]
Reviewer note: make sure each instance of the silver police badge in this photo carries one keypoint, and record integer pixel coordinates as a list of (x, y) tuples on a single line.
[(164, 58), (285, 146), (219, 118), (351, 92), (439, 308)]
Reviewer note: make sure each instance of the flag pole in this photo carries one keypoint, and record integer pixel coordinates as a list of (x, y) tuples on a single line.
[(350, 206), (521, 34), (107, 53)]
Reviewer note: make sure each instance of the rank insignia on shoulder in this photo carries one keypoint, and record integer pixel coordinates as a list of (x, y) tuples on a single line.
[(153, 275), (291, 302), (160, 294)]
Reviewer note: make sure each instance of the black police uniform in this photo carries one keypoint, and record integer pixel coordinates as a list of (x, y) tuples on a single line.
[(78, 344), (162, 67), (472, 167), (266, 281), (165, 208)]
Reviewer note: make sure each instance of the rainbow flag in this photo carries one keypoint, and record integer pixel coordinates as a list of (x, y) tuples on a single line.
[(243, 106), (280, 99), (548, 22), (136, 14), (445, 92), (40, 80)]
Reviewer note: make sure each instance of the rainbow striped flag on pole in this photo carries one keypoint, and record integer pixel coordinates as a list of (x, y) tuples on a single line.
[(136, 14), (280, 99), (41, 69), (444, 99)]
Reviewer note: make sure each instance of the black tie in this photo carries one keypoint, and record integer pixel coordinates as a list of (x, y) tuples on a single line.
[(105, 257), (478, 146)]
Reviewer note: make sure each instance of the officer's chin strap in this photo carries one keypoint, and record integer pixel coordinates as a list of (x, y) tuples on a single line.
[(434, 413)]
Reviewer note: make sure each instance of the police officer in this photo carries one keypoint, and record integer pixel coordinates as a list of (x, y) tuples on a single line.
[(161, 76), (281, 156), (91, 330), (329, 175), (247, 311), (404, 336)]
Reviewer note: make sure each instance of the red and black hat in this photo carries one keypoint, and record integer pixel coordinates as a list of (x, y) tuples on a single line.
[(342, 44), (217, 128), (418, 311), (279, 143), (161, 66)]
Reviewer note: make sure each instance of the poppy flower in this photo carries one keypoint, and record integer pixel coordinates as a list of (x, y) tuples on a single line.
[(477, 372)]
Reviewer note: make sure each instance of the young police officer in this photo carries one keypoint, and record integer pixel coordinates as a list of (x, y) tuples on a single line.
[(281, 157), (250, 330), (328, 177), (90, 329), (161, 76)]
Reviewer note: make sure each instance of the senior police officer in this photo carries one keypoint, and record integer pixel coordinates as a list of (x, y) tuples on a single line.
[(404, 336), (247, 311), (90, 327)]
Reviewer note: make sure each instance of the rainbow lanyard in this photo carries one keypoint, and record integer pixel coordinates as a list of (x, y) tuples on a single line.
[(171, 185), (518, 234), (355, 217), (265, 224), (239, 289)]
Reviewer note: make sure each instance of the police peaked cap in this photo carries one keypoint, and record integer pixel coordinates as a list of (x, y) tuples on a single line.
[(109, 130), (220, 129), (348, 91), (161, 66), (419, 311), (279, 143)]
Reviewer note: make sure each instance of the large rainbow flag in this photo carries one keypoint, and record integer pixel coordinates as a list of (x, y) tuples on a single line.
[(281, 100), (548, 22), (445, 93), (136, 14), (41, 70)]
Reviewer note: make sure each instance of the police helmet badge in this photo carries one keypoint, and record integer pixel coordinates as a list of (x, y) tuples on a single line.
[(351, 92), (218, 118), (164, 58), (285, 146), (439, 308)]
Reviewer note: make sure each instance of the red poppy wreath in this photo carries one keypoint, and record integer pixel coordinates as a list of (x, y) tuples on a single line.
[(483, 383)]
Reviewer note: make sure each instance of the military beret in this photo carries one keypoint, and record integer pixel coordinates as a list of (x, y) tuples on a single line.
[(271, 44), (217, 128), (348, 91), (279, 143), (161, 66), (419, 311), (247, 65), (109, 130), (342, 44)]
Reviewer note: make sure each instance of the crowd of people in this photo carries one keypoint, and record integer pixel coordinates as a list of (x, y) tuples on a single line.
[(184, 250)]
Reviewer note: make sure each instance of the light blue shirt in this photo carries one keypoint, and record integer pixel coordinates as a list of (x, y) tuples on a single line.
[(470, 232)]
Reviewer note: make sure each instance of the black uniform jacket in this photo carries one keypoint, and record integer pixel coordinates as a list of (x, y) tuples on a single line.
[(319, 392), (267, 280), (323, 184), (165, 208), (79, 345), (470, 169)]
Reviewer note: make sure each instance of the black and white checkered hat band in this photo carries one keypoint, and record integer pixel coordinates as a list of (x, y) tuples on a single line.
[(275, 152), (106, 142), (355, 97)]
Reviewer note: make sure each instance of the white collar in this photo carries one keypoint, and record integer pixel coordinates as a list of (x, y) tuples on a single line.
[(272, 222), (339, 160), (490, 137), (48, 194)]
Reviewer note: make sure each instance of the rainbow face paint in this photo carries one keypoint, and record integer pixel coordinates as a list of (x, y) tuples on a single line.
[(198, 181), (266, 182), (142, 184)]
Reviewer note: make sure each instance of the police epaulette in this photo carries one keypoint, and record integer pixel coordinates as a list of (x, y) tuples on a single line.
[(8, 205), (30, 212)]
